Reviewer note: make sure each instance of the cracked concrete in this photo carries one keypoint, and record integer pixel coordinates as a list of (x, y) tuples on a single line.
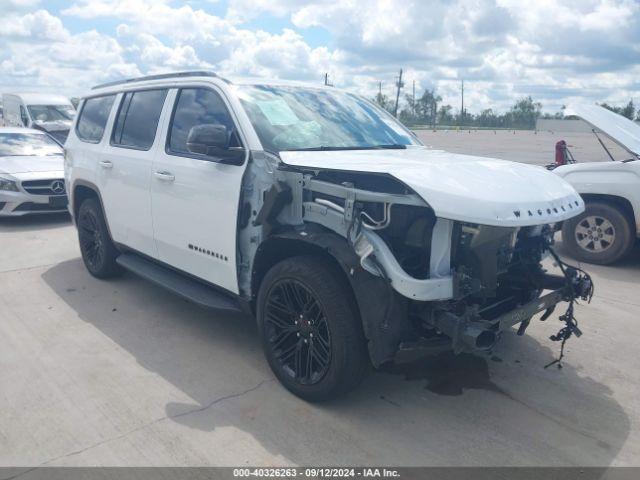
[(153, 422)]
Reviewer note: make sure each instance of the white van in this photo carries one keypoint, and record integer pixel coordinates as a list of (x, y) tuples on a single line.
[(50, 113)]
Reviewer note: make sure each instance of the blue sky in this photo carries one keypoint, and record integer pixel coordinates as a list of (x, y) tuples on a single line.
[(558, 51)]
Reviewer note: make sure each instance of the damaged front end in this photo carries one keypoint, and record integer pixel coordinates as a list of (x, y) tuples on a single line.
[(420, 281), (499, 283)]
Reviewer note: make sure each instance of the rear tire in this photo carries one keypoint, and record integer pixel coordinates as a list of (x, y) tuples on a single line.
[(311, 333), (98, 251), (602, 234)]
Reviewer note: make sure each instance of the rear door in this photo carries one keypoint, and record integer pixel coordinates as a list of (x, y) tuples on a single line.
[(195, 197), (124, 169)]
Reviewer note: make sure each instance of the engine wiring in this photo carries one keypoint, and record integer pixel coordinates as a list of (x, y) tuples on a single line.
[(575, 276)]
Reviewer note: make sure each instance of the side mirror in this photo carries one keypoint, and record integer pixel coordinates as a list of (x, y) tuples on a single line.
[(214, 140), (208, 139)]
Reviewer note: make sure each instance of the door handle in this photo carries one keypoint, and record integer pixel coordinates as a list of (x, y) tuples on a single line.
[(106, 164), (165, 176)]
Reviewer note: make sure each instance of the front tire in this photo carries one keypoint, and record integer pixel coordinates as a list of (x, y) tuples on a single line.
[(602, 234), (310, 330), (98, 251)]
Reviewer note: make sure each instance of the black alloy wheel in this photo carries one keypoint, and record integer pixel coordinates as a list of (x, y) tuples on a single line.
[(90, 240), (98, 251), (296, 328), (311, 329)]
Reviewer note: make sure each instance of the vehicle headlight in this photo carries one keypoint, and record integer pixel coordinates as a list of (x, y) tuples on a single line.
[(8, 185)]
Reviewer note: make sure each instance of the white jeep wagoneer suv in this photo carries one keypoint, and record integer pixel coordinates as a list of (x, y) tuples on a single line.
[(318, 213)]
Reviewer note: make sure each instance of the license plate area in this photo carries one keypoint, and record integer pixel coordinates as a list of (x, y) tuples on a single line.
[(59, 201)]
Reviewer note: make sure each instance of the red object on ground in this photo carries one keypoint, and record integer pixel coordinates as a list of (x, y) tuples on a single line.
[(561, 153)]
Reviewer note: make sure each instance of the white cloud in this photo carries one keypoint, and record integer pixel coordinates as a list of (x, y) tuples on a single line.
[(38, 26), (552, 49), (41, 54)]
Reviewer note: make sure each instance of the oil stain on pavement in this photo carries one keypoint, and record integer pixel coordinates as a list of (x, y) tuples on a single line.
[(447, 373)]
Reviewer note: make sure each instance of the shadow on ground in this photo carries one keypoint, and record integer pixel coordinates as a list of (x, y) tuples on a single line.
[(506, 409)]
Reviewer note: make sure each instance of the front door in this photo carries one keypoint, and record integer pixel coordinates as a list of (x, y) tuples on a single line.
[(195, 197)]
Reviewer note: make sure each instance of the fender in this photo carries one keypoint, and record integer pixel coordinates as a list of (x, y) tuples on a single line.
[(383, 312), (72, 205)]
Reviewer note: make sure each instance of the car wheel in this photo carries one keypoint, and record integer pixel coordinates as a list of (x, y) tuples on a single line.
[(311, 333), (98, 251), (602, 234)]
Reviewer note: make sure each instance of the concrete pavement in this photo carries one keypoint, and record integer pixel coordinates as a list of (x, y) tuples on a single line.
[(122, 373)]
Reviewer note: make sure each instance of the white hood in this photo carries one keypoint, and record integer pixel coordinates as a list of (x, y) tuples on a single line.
[(620, 129), (461, 187), (31, 163)]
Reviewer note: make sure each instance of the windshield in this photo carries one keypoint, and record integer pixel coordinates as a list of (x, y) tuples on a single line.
[(51, 113), (27, 144), (305, 118)]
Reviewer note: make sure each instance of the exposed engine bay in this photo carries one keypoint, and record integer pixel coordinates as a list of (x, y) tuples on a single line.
[(421, 281)]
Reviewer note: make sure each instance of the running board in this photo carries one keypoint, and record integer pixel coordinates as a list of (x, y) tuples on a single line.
[(178, 283)]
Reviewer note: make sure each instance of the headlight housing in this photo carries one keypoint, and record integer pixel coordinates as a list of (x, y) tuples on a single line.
[(8, 185)]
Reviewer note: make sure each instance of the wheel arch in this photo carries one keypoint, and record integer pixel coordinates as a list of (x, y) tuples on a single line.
[(82, 190), (619, 202), (280, 247), (382, 312)]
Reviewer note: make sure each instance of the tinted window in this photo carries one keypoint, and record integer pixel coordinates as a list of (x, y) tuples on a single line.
[(138, 118), (93, 118), (198, 106)]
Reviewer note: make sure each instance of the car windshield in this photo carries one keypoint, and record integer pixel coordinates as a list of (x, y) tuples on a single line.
[(27, 144), (306, 118), (51, 113)]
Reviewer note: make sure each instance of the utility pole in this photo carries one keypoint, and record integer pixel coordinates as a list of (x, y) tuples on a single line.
[(462, 105), (413, 101), (434, 112), (326, 80), (399, 85)]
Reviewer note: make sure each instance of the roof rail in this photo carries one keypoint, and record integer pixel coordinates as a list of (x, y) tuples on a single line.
[(194, 73)]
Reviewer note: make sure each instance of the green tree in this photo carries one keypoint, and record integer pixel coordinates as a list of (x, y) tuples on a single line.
[(487, 118), (629, 110), (427, 107), (445, 117), (524, 113), (408, 114), (383, 101)]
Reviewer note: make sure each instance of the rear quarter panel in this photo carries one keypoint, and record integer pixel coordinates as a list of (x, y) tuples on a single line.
[(80, 161)]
